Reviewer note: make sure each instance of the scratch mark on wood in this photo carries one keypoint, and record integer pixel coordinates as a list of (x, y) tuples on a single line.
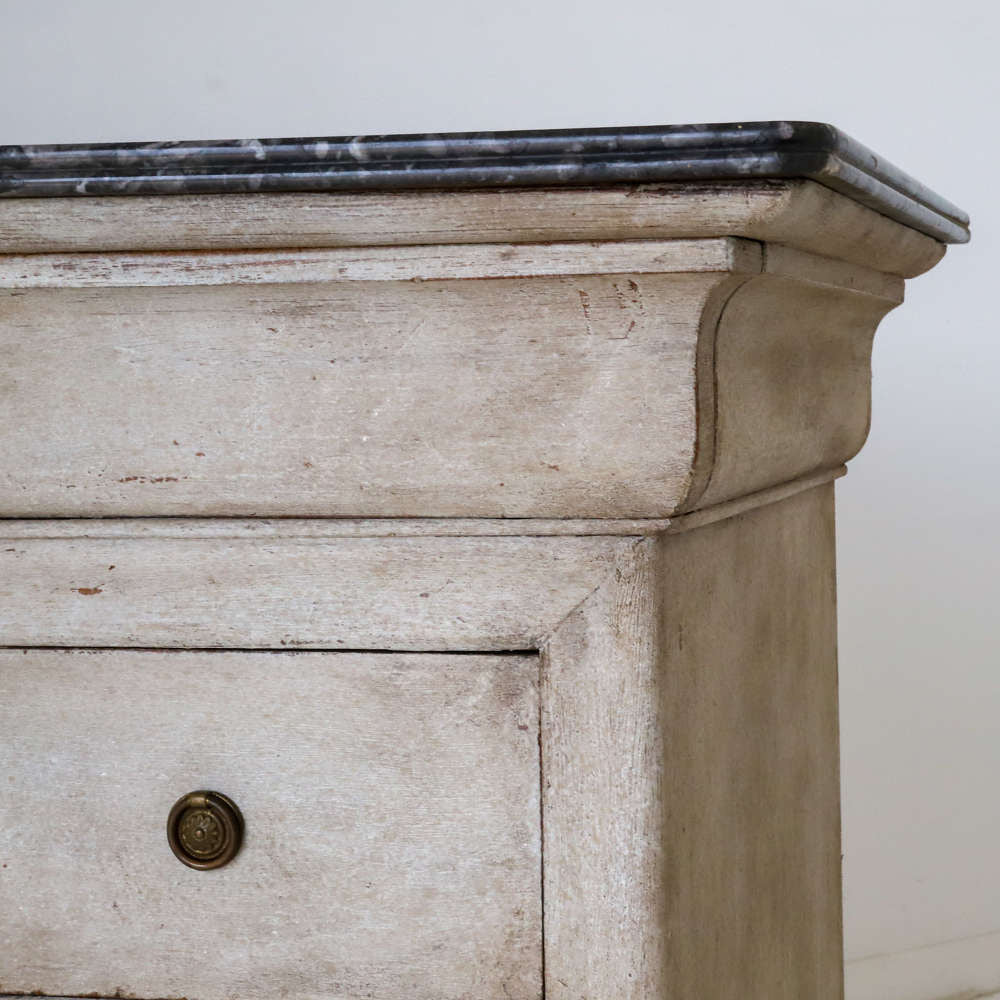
[(585, 305)]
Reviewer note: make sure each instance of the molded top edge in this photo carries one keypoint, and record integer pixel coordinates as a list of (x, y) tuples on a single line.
[(640, 155)]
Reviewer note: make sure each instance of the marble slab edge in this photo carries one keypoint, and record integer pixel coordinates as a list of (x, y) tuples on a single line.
[(561, 157)]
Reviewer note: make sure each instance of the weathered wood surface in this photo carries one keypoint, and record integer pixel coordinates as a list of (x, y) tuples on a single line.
[(263, 528), (417, 263), (311, 584), (347, 593), (749, 785), (601, 757), (791, 386), (390, 527), (541, 420), (553, 396), (688, 707), (689, 761), (451, 398), (797, 213), (392, 839), (441, 263)]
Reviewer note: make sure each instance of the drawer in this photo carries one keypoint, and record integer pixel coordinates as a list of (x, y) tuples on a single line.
[(561, 381), (392, 824), (343, 397)]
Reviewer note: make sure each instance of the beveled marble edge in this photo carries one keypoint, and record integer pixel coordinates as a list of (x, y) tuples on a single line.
[(18, 529), (649, 154)]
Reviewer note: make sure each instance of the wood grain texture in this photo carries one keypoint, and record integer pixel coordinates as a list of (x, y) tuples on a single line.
[(390, 527), (418, 263), (264, 528), (688, 709), (590, 423), (582, 396), (541, 397), (402, 593), (750, 789), (391, 803), (689, 760), (601, 807), (797, 213)]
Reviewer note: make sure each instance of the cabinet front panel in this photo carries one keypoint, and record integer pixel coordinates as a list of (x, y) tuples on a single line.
[(391, 807)]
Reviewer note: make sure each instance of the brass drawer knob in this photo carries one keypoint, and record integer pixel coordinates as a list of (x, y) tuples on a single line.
[(205, 829)]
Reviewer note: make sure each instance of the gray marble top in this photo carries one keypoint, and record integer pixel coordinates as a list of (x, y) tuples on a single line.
[(646, 155)]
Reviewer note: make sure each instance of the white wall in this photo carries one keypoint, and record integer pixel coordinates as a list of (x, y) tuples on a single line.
[(918, 514)]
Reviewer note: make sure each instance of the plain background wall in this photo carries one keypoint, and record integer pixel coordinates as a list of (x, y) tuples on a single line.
[(918, 513)]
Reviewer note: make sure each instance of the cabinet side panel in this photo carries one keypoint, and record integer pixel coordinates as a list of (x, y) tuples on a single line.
[(751, 792)]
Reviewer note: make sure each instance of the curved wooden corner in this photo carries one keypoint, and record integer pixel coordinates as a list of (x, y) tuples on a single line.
[(784, 374)]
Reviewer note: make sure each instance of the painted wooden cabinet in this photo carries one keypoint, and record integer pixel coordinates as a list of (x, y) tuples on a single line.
[(460, 511)]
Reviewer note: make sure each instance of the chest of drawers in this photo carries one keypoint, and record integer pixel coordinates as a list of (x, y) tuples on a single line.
[(459, 512)]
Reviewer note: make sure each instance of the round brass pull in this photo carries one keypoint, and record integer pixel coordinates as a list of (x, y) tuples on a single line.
[(205, 829)]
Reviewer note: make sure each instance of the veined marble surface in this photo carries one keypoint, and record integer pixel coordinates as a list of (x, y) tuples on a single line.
[(642, 155)]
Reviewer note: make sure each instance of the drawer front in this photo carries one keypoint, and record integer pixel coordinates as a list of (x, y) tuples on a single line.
[(351, 398), (392, 824)]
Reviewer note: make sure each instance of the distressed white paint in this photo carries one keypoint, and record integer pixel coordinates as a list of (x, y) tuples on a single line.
[(391, 806), (688, 700), (796, 213), (136, 388), (419, 263), (349, 593)]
